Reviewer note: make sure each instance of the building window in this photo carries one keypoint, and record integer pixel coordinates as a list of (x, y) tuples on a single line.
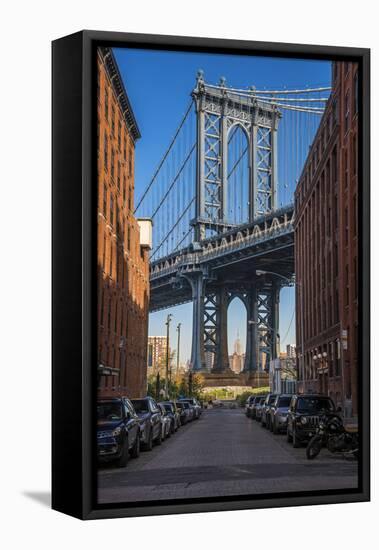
[(334, 166), (356, 93), (335, 113), (130, 199), (346, 285), (346, 227), (346, 162), (336, 211), (105, 200), (119, 135), (347, 110), (105, 151), (112, 163), (115, 318), (336, 308), (355, 215), (113, 120), (106, 101), (130, 162), (128, 238), (111, 259), (336, 262), (111, 209), (104, 250), (347, 64), (355, 155), (118, 175), (109, 313), (102, 309), (355, 277)]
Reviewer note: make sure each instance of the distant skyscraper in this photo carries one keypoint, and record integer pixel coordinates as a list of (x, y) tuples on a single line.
[(291, 351), (238, 345), (156, 353), (237, 360)]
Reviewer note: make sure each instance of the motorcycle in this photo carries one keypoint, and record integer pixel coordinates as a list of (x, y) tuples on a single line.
[(332, 434)]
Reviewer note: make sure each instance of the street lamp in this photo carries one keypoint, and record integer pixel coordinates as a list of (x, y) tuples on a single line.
[(263, 272), (168, 321), (178, 348)]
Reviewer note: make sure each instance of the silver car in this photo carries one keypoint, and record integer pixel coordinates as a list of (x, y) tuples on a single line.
[(166, 422), (279, 412), (258, 408)]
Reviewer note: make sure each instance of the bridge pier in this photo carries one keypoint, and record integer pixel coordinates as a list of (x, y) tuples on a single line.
[(221, 363), (197, 281), (251, 355)]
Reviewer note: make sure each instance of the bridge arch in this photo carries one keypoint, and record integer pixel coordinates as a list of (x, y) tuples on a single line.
[(237, 171), (236, 327)]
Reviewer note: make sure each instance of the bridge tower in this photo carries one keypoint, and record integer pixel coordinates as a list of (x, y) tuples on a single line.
[(218, 110)]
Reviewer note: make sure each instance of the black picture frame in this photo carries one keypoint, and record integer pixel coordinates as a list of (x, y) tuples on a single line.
[(74, 272)]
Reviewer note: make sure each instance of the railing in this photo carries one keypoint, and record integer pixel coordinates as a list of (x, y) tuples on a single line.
[(230, 242)]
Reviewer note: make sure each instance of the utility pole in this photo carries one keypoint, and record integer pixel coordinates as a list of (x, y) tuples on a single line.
[(178, 349), (168, 321)]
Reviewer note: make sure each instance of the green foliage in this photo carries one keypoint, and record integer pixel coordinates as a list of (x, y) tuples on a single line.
[(241, 399)]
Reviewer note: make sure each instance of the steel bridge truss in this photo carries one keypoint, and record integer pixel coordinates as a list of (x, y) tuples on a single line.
[(218, 111)]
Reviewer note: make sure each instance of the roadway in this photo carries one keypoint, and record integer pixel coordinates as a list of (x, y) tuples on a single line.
[(223, 453)]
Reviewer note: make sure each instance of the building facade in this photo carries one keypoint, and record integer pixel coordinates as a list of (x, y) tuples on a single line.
[(291, 351), (122, 257), (156, 354), (326, 251), (282, 375)]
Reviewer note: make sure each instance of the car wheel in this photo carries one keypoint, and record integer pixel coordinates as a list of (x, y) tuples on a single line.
[(136, 447), (274, 428), (168, 434), (123, 460), (172, 427), (149, 444), (289, 436), (295, 440)]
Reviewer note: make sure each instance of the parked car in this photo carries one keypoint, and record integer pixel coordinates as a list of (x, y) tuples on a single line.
[(304, 414), (150, 422), (173, 414), (265, 416), (279, 412), (165, 421), (184, 412), (195, 404), (249, 402), (118, 431), (253, 406), (258, 408)]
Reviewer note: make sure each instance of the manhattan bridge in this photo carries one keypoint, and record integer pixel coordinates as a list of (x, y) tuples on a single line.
[(221, 202)]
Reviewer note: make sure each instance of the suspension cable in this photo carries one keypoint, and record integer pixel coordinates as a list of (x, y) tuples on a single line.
[(174, 180), (165, 155), (173, 227)]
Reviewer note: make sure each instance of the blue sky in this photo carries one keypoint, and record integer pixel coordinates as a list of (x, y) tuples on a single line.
[(159, 84)]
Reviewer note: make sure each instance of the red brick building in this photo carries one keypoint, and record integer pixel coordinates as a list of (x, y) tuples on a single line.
[(123, 277), (326, 262)]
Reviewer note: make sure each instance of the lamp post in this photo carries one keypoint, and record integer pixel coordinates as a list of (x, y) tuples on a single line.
[(168, 321), (321, 358), (178, 349), (263, 272)]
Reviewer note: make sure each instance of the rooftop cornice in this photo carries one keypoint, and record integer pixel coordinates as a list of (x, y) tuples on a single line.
[(115, 78)]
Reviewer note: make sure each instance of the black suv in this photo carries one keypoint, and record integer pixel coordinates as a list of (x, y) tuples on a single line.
[(118, 430), (150, 421), (303, 417)]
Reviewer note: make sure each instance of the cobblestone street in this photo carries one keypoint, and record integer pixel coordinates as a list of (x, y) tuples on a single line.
[(223, 453)]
